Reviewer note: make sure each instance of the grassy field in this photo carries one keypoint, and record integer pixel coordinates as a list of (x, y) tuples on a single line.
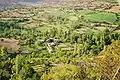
[(102, 17)]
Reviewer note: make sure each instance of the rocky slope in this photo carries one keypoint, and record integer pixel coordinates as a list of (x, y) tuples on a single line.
[(5, 4)]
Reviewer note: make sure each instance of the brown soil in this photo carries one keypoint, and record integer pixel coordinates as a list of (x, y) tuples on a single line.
[(117, 31), (11, 44), (115, 9)]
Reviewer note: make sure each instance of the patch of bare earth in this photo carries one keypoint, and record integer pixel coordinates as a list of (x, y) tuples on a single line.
[(10, 44), (117, 31), (115, 9)]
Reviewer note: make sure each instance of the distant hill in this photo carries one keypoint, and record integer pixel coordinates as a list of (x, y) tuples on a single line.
[(28, 0), (5, 4)]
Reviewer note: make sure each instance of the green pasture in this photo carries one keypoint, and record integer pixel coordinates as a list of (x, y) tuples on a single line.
[(101, 17)]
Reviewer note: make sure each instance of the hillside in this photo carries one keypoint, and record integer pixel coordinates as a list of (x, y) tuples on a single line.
[(5, 4), (60, 40)]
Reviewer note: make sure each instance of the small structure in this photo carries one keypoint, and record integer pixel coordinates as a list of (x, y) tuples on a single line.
[(52, 43)]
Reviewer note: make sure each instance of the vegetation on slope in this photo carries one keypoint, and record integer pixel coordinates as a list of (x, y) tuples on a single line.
[(59, 43)]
